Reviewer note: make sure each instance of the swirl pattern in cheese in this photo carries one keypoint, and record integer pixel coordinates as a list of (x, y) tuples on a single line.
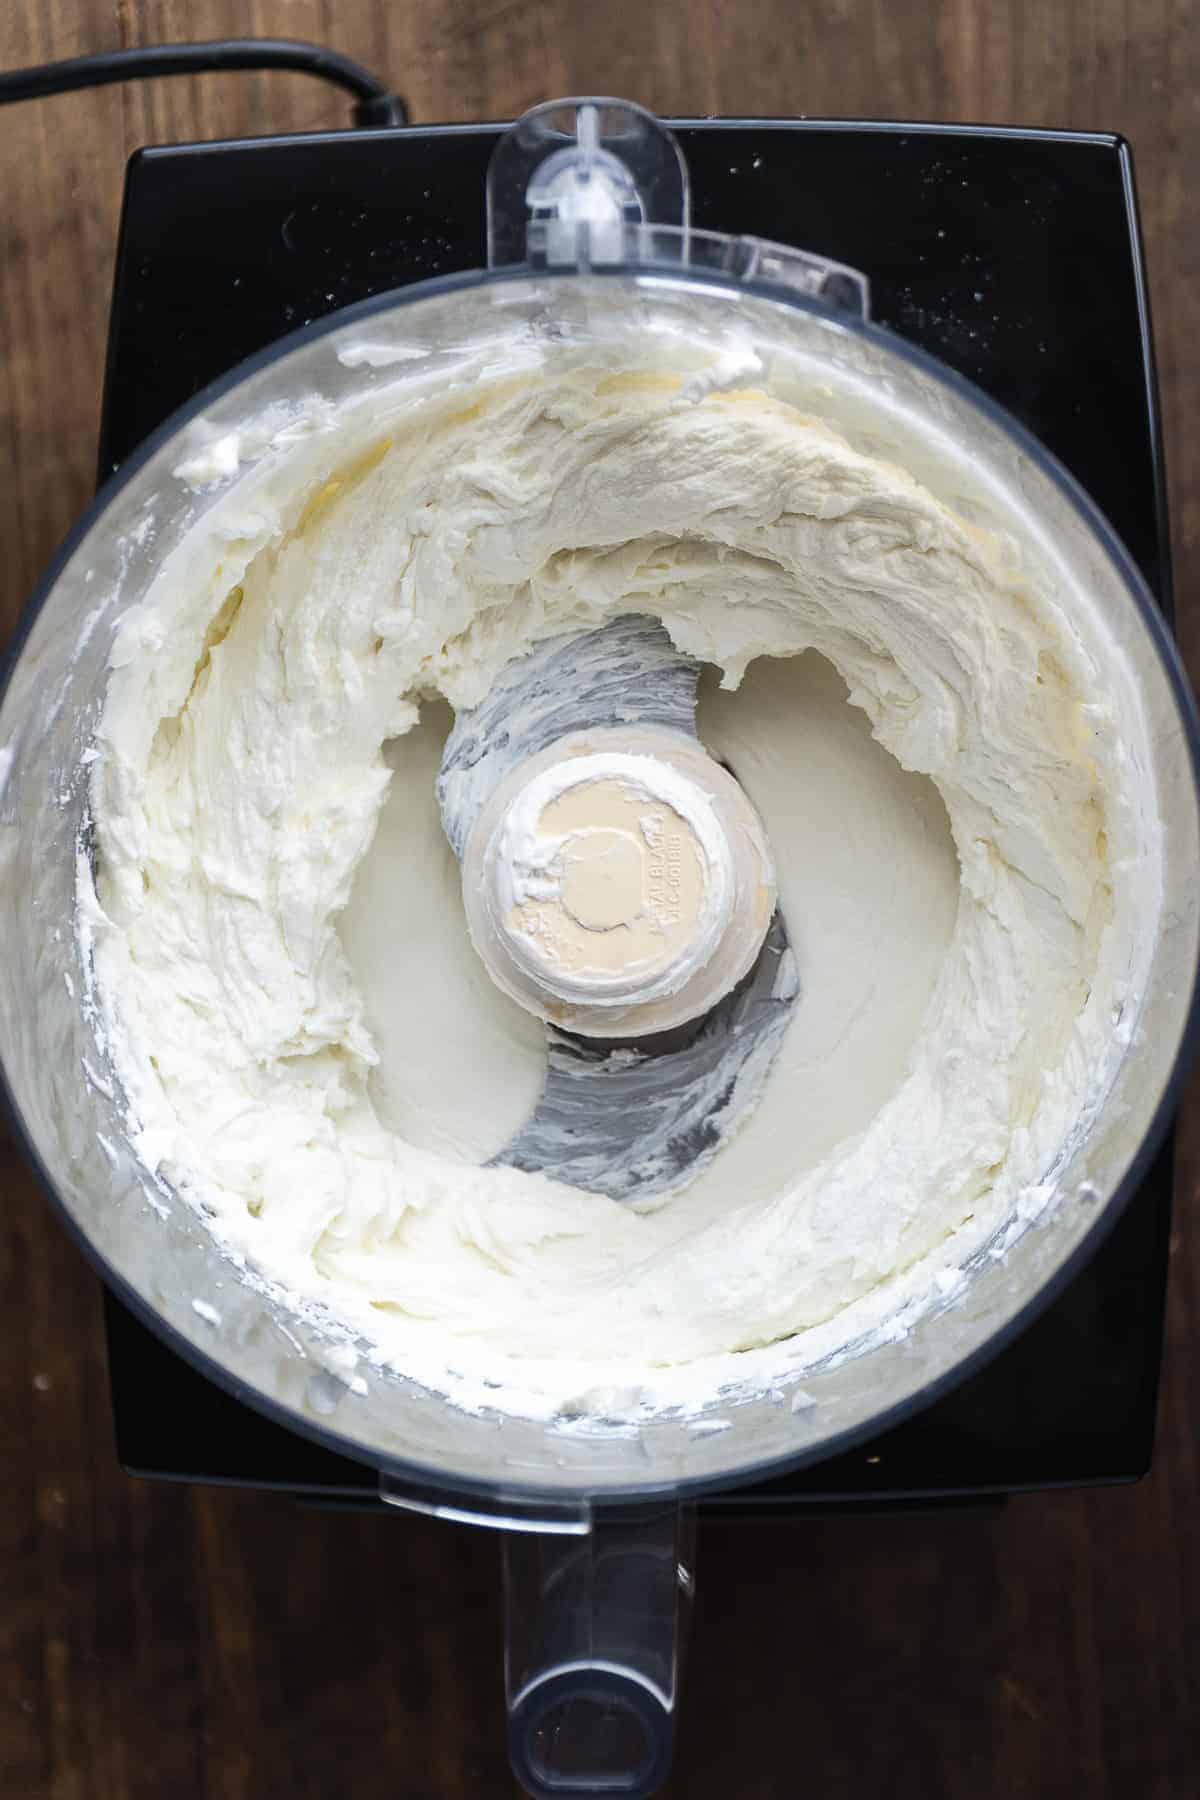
[(256, 719)]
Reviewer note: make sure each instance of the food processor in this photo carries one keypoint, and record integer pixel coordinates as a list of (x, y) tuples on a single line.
[(589, 226)]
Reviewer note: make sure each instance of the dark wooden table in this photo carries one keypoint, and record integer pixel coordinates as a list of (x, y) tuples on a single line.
[(161, 1642)]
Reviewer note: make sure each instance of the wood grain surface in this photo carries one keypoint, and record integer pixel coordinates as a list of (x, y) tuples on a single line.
[(210, 1645)]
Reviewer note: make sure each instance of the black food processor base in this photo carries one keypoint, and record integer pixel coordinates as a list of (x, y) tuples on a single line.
[(1015, 257)]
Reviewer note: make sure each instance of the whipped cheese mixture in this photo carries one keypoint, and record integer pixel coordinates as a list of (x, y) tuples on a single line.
[(313, 1054)]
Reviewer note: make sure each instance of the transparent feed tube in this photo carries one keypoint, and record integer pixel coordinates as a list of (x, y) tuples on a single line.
[(594, 1629)]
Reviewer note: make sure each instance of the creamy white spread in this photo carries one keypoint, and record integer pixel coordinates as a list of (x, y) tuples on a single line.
[(281, 687)]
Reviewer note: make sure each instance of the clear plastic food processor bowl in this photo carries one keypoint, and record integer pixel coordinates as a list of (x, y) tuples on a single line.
[(588, 241)]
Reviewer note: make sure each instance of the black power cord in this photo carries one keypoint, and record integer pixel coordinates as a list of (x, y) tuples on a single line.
[(375, 104)]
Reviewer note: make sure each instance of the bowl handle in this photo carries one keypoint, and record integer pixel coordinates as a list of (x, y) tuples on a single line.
[(594, 1630)]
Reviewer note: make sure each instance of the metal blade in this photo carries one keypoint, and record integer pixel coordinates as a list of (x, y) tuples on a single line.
[(638, 1118), (633, 1120), (627, 673)]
